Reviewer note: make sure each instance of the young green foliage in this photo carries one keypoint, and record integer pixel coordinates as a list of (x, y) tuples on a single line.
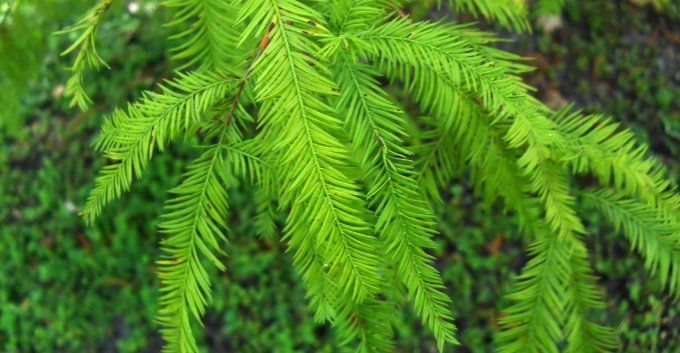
[(330, 146), (194, 226), (86, 53), (131, 137), (508, 13), (206, 34), (404, 218)]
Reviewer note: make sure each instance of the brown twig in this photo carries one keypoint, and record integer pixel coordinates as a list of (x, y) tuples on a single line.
[(241, 86)]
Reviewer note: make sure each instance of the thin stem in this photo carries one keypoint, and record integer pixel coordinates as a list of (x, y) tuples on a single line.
[(260, 49)]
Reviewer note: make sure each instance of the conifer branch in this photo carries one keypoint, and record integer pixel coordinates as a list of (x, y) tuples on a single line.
[(532, 323), (193, 224), (583, 297), (547, 179), (598, 146), (654, 235), (493, 82), (130, 137), (359, 221), (206, 34), (324, 192), (508, 13), (86, 53), (463, 132), (405, 220), (552, 299)]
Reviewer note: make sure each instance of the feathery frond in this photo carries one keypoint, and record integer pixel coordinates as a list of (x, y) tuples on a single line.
[(463, 132), (598, 146), (508, 13), (409, 45), (441, 88), (584, 335), (552, 300), (353, 176), (655, 237), (532, 323), (86, 53), (324, 202), (130, 137), (193, 223), (367, 325), (267, 215), (206, 34), (405, 220)]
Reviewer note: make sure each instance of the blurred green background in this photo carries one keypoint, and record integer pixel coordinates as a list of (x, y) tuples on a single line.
[(65, 287)]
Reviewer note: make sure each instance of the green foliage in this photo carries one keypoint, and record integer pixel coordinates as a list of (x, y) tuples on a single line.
[(334, 150), (508, 13), (193, 222), (404, 218), (206, 34), (131, 137), (656, 239), (86, 53)]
